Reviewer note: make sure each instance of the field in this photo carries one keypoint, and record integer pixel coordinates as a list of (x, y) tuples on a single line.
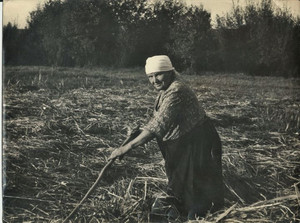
[(61, 124)]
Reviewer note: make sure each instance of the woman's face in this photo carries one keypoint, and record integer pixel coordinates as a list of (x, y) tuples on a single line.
[(161, 80)]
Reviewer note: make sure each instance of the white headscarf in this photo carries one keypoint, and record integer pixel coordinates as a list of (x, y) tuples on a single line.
[(158, 64)]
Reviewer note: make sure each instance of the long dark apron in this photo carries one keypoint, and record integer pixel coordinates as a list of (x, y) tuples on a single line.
[(194, 169)]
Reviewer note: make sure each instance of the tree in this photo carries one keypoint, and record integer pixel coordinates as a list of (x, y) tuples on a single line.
[(11, 43), (91, 28), (192, 40), (258, 39)]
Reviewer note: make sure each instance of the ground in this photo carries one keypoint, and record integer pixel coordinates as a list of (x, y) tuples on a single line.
[(61, 124)]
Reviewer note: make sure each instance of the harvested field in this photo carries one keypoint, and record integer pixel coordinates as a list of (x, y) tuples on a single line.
[(61, 124)]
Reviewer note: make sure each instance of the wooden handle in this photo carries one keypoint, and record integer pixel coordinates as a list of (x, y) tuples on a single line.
[(90, 190), (110, 162)]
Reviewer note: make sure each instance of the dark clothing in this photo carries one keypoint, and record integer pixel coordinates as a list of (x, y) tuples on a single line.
[(191, 148), (194, 170)]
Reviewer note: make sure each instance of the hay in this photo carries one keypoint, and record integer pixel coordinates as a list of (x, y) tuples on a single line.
[(57, 139)]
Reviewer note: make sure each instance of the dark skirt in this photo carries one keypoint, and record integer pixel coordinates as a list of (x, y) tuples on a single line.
[(194, 169)]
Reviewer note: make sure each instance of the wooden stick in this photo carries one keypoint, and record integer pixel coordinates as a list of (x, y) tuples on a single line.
[(225, 213), (276, 199), (133, 135), (90, 190), (145, 191), (232, 191)]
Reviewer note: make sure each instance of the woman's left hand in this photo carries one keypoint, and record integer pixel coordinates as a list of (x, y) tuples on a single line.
[(119, 152)]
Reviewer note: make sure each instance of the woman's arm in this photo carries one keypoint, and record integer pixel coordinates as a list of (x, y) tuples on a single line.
[(144, 137)]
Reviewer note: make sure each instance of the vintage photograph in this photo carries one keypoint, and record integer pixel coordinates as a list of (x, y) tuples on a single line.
[(151, 111)]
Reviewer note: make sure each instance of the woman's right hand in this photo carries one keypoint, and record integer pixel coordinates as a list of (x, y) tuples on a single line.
[(119, 152)]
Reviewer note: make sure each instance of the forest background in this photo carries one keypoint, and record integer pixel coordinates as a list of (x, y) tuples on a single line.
[(257, 39), (73, 88)]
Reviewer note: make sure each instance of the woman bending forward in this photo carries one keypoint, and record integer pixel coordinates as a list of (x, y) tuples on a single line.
[(187, 139)]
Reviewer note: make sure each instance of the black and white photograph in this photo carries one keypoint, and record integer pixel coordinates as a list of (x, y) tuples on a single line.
[(150, 111)]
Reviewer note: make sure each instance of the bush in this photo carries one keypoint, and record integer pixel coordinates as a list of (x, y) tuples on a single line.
[(192, 40), (11, 41), (259, 40)]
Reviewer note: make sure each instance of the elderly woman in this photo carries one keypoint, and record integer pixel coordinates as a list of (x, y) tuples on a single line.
[(187, 139)]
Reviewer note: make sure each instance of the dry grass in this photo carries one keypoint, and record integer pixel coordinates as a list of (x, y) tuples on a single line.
[(61, 125)]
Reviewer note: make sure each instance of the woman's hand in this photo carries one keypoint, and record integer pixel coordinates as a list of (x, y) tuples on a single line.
[(120, 151), (141, 139)]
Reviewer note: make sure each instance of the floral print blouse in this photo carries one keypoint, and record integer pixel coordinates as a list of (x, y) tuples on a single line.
[(176, 112)]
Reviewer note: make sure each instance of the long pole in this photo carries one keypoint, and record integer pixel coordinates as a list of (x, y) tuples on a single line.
[(133, 134), (90, 190)]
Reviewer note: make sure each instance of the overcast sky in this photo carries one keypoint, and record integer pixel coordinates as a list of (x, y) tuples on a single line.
[(17, 11)]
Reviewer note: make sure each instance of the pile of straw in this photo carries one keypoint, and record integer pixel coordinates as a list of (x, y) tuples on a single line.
[(62, 124)]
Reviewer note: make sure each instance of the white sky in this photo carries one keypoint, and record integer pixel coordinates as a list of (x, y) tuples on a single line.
[(222, 6), (17, 11)]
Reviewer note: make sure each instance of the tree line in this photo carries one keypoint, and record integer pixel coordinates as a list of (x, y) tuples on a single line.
[(258, 39)]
